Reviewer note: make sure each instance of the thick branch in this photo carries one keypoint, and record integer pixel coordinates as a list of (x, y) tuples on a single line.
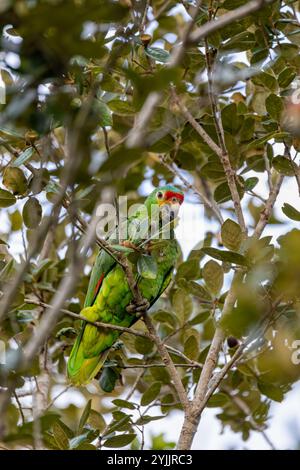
[(193, 415)]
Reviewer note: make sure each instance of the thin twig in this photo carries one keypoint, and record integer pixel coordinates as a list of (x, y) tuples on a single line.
[(136, 135), (224, 156), (267, 210), (168, 363), (243, 406), (20, 407)]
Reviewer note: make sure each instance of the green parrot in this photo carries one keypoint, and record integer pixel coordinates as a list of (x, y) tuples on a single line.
[(109, 297)]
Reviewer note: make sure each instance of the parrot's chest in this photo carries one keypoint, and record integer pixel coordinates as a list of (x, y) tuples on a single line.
[(115, 293)]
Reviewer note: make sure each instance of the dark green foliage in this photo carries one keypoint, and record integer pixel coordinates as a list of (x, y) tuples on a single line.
[(83, 71)]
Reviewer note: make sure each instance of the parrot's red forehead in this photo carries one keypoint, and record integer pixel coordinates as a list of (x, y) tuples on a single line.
[(170, 194)]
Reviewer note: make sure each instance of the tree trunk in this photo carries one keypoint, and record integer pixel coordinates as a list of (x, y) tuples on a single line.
[(188, 432)]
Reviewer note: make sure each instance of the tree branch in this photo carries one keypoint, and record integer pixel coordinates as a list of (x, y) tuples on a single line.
[(267, 211), (222, 154), (136, 135), (229, 18), (192, 417)]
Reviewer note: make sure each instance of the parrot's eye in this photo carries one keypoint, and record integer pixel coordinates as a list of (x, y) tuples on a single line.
[(174, 199), (159, 195)]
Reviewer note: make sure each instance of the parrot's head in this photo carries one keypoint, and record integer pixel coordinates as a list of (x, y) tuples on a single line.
[(168, 198)]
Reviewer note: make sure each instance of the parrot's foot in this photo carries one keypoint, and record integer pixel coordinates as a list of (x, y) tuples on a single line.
[(135, 307), (117, 345), (129, 244)]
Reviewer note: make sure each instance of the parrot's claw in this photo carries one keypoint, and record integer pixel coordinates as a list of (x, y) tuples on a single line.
[(135, 307), (117, 345), (129, 244)]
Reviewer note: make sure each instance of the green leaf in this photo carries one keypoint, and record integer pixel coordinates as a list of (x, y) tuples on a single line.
[(12, 135), (123, 404), (191, 347), (163, 316), (60, 436), (108, 379), (227, 256), (188, 270), (195, 289), (240, 42), (150, 394), (233, 4), (231, 120), (119, 441), (200, 318), (279, 136), (213, 276), (182, 304), (16, 221), (6, 198), (291, 212), (122, 108), (158, 54), (147, 267), (105, 118), (50, 442), (286, 77), (287, 50), (284, 166), (274, 106), (218, 400), (32, 213), (86, 446), (231, 234), (266, 80), (222, 192), (143, 345), (24, 157), (271, 391), (250, 183), (96, 420), (84, 416), (14, 180), (247, 129), (121, 420), (145, 419), (213, 171), (76, 441)]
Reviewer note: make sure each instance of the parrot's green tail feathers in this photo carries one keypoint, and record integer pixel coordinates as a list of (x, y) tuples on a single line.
[(82, 370)]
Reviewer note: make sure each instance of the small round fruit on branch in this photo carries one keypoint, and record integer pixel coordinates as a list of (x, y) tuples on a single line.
[(232, 342)]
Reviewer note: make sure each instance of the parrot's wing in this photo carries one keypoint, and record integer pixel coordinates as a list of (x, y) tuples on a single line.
[(103, 264), (80, 369), (165, 283)]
